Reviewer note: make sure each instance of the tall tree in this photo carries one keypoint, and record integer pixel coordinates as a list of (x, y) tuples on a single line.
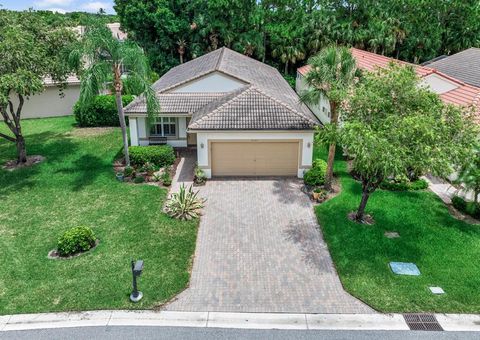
[(30, 50), (331, 75), (393, 125), (100, 58)]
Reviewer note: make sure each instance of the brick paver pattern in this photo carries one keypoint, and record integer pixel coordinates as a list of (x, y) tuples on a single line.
[(260, 249)]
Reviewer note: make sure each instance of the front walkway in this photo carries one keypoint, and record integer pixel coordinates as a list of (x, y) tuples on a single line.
[(446, 190), (259, 249)]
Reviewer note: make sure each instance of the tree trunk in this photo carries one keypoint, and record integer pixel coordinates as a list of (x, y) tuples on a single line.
[(181, 58), (331, 150), (21, 149), (123, 126), (121, 114), (363, 203), (286, 68)]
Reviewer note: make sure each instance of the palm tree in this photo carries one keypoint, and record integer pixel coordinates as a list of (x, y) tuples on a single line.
[(331, 75), (100, 58), (181, 49), (289, 54)]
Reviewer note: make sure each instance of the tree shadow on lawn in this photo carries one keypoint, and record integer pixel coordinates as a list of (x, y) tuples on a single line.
[(85, 171)]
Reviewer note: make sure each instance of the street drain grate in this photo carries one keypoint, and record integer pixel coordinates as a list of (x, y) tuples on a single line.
[(422, 322)]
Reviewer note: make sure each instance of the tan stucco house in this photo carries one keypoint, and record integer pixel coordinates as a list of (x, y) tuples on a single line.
[(240, 114)]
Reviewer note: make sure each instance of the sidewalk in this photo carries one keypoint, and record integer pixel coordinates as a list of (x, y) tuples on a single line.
[(446, 190), (449, 322)]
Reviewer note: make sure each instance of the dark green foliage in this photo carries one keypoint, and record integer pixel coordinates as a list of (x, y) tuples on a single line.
[(139, 179), (166, 179), (316, 175), (469, 208), (160, 155), (102, 111), (287, 32), (392, 185), (76, 240), (129, 171), (290, 80)]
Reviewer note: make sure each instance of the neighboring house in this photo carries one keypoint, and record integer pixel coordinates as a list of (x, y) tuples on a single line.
[(241, 114), (53, 103), (450, 89), (464, 66)]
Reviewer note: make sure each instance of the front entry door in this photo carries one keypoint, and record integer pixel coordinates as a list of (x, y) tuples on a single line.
[(191, 137)]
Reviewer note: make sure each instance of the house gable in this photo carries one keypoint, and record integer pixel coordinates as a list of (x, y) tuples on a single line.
[(213, 82), (439, 84)]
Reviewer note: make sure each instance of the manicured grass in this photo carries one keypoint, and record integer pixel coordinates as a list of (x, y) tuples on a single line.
[(446, 250), (76, 186)]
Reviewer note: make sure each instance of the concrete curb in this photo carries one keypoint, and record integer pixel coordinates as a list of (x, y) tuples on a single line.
[(449, 322)]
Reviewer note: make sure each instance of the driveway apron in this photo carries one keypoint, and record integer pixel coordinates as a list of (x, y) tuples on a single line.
[(260, 249)]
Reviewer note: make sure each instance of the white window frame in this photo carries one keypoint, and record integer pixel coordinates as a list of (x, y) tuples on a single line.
[(160, 122)]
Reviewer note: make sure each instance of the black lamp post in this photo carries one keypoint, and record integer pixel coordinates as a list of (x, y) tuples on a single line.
[(137, 267)]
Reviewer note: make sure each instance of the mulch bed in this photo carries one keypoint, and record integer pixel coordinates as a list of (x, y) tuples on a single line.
[(367, 219), (31, 160)]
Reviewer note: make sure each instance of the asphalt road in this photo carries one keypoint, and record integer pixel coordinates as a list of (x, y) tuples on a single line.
[(185, 333)]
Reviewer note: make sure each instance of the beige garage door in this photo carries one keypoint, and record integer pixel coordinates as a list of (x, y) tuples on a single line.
[(254, 158)]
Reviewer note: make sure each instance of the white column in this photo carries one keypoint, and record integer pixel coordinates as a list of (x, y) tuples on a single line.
[(133, 131)]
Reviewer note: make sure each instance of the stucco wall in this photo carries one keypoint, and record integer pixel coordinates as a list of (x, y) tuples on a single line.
[(438, 84), (321, 110), (139, 132), (49, 103), (213, 82), (306, 138)]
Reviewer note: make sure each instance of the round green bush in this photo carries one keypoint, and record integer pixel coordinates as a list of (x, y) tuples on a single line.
[(316, 175), (76, 240), (102, 111)]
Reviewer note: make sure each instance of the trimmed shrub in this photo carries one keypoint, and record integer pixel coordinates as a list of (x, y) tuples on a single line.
[(139, 179), (160, 155), (393, 185), (469, 208), (166, 179), (102, 111), (76, 240), (316, 175), (419, 184)]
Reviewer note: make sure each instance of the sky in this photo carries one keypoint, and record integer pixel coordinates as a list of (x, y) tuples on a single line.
[(61, 6)]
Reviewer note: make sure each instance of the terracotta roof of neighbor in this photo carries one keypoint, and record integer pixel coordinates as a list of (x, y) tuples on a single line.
[(265, 95), (463, 95), (464, 66), (71, 80)]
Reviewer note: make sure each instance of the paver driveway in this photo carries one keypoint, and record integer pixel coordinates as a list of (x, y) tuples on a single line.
[(259, 249)]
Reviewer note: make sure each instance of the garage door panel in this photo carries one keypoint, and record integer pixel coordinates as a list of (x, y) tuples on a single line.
[(254, 158)]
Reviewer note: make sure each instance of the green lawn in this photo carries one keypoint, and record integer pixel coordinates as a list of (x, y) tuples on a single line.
[(76, 186), (447, 251)]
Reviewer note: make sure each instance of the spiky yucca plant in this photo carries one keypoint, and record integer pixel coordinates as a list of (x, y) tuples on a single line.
[(185, 204)]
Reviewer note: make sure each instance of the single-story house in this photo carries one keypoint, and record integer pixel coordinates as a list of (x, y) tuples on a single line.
[(451, 90), (240, 114)]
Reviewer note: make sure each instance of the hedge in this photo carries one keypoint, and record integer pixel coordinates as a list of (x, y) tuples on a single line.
[(404, 186), (102, 111), (160, 155)]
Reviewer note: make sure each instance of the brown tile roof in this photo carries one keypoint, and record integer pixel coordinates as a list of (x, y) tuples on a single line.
[(178, 102), (260, 79), (463, 95), (248, 108)]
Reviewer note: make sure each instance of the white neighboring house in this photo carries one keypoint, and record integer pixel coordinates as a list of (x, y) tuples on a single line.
[(450, 90), (50, 103), (240, 114)]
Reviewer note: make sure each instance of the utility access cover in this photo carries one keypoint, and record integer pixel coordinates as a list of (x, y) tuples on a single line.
[(404, 268)]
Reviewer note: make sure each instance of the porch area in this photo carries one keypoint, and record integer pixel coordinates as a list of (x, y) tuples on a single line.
[(170, 130)]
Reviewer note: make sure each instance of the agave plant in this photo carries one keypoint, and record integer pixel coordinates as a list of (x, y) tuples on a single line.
[(185, 204)]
